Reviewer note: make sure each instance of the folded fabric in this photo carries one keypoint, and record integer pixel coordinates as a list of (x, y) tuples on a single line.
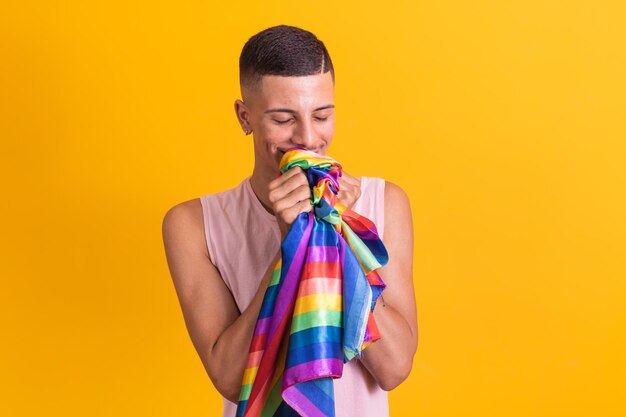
[(316, 313)]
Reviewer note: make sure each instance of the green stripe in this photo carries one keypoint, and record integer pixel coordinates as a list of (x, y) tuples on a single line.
[(245, 392), (304, 164), (275, 277), (316, 318), (333, 217)]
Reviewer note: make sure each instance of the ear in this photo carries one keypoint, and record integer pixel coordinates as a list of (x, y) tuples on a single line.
[(243, 116)]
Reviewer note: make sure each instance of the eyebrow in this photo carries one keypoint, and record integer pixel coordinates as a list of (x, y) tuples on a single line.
[(328, 106)]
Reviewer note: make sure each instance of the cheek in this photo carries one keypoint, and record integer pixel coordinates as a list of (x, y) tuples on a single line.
[(266, 143), (277, 134), (327, 131)]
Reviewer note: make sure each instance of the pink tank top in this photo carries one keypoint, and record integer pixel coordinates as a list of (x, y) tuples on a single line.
[(242, 239)]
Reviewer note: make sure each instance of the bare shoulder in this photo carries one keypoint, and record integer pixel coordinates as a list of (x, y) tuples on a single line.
[(396, 201), (185, 212), (183, 224)]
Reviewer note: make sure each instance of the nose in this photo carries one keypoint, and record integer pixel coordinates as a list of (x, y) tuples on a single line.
[(305, 135)]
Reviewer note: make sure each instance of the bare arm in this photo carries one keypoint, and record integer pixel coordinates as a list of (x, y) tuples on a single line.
[(390, 359), (220, 335)]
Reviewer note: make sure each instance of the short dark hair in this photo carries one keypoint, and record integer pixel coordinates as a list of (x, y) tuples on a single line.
[(282, 50)]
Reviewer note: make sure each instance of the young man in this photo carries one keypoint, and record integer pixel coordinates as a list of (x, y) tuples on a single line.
[(221, 248)]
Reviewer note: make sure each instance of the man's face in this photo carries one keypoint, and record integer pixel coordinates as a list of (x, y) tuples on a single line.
[(290, 111)]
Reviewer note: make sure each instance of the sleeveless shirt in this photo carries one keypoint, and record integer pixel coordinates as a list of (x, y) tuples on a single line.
[(243, 237)]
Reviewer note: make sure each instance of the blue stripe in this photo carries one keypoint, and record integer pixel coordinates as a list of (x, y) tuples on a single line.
[(355, 291), (323, 384), (321, 334), (314, 351), (241, 408), (324, 234), (318, 396), (267, 308), (289, 246)]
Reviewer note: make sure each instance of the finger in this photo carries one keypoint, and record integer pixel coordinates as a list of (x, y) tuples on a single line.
[(294, 197), (295, 180), (277, 182), (301, 207)]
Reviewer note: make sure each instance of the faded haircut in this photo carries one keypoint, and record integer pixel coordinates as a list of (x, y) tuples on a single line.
[(282, 50)]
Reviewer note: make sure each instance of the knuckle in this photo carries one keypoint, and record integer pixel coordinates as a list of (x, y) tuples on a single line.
[(295, 170), (279, 208)]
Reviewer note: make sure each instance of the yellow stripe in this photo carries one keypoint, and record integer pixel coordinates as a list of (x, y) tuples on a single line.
[(313, 160), (315, 302), (249, 374)]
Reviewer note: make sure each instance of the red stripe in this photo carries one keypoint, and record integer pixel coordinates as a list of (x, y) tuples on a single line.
[(374, 279), (372, 327), (258, 342), (321, 270)]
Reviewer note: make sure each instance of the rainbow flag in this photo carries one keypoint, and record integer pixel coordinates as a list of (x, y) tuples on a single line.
[(316, 313)]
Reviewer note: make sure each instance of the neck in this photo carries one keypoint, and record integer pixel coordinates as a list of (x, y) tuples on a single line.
[(259, 181)]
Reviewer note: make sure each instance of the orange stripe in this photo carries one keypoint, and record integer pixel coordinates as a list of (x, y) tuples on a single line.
[(254, 359)]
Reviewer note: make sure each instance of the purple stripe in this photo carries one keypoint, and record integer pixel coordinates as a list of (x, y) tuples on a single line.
[(323, 254), (368, 336), (301, 404), (313, 369), (292, 280), (262, 326)]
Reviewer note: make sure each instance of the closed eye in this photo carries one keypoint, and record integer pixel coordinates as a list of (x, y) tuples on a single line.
[(282, 122)]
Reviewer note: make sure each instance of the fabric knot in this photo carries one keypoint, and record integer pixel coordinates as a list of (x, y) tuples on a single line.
[(323, 174)]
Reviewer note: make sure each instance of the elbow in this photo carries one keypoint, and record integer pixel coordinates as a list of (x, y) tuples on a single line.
[(395, 376), (230, 393), (224, 380), (227, 389)]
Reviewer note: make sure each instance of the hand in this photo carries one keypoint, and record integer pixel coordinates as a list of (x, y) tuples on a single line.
[(349, 189), (290, 195)]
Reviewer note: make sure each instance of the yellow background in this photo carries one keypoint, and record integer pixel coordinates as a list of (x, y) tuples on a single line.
[(504, 121)]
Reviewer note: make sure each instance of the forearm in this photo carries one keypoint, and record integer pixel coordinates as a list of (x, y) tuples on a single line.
[(390, 358), (227, 358)]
